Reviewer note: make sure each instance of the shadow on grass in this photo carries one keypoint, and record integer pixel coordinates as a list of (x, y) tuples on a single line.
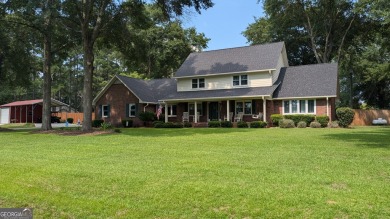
[(375, 137), (172, 132)]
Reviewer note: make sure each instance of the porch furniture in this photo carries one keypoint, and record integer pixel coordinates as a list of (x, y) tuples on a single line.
[(193, 118), (258, 116), (379, 121), (238, 117), (230, 117), (186, 117)]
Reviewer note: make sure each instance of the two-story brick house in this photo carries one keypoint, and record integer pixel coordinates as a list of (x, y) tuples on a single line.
[(213, 85)]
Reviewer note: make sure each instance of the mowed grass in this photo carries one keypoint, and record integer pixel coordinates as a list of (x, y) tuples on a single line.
[(199, 173)]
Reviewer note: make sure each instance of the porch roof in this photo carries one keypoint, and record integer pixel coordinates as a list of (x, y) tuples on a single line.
[(32, 102), (251, 92)]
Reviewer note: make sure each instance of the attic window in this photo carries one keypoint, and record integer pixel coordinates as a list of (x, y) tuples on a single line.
[(240, 80), (198, 83)]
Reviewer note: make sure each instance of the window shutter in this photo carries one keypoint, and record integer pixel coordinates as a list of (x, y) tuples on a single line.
[(99, 113), (185, 107), (254, 107), (136, 109), (108, 114), (204, 108), (127, 110)]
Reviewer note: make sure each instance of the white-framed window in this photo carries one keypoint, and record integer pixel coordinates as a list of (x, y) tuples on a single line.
[(240, 80), (198, 83), (171, 110), (105, 111), (299, 107), (191, 109), (132, 110), (244, 106)]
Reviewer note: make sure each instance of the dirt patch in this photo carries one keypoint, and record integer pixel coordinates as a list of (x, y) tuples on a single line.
[(74, 132)]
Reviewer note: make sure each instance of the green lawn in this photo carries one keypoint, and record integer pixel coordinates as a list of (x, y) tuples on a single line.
[(199, 173)]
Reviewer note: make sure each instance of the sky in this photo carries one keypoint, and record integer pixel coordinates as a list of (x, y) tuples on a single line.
[(225, 22)]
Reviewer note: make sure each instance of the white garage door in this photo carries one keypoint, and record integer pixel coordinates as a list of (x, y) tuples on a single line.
[(4, 115)]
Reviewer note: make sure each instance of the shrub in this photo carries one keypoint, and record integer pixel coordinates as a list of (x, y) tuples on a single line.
[(345, 116), (275, 118), (106, 125), (286, 123), (242, 124), (258, 124), (97, 123), (302, 124), (117, 131), (334, 124), (226, 124), (70, 120), (146, 116), (315, 125), (127, 123), (214, 124), (323, 120), (168, 125), (297, 118), (187, 125)]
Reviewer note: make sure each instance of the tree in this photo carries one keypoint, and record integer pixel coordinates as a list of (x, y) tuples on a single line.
[(95, 17)]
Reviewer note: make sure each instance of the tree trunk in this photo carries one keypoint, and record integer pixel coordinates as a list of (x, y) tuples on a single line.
[(87, 91), (46, 111)]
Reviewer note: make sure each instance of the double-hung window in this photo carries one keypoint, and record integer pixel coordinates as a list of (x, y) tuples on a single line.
[(171, 110), (198, 83), (299, 106), (132, 110), (244, 106), (240, 80), (105, 111)]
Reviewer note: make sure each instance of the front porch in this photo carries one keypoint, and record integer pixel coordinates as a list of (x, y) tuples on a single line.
[(203, 111)]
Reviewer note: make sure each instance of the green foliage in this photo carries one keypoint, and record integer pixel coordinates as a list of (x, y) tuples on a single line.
[(302, 124), (315, 125), (300, 117), (258, 124), (286, 123), (146, 116), (226, 124), (187, 125), (117, 131), (334, 124), (214, 124), (106, 125), (242, 124), (97, 123), (345, 116), (168, 125), (275, 118), (70, 120), (323, 120), (127, 123)]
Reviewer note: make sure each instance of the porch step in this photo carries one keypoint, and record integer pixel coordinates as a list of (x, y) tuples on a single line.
[(200, 125)]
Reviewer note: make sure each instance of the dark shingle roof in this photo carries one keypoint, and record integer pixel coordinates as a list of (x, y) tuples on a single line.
[(249, 58), (223, 93), (308, 81), (149, 90)]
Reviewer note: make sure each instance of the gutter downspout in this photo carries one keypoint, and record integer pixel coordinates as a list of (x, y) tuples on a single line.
[(147, 104)]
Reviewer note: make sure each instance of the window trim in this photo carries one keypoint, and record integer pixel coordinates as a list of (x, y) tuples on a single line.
[(108, 111), (197, 82), (243, 106), (170, 111), (299, 107), (201, 109), (135, 110), (240, 80)]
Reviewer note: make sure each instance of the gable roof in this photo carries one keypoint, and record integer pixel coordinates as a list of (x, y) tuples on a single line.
[(241, 59), (319, 80), (147, 91)]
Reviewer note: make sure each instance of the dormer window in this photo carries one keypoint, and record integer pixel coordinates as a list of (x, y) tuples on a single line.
[(198, 83), (240, 80)]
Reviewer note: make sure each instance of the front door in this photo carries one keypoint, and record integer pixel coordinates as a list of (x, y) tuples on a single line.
[(213, 111)]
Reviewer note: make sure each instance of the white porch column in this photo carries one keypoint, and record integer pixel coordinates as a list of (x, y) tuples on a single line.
[(327, 106), (264, 110), (228, 110), (166, 112), (196, 112)]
